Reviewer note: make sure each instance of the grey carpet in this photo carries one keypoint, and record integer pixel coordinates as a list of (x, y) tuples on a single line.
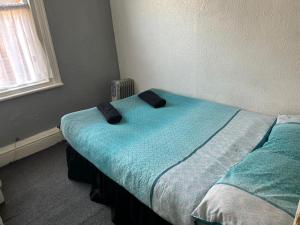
[(38, 192)]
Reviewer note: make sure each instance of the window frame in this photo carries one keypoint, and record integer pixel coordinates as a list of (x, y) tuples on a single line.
[(41, 22)]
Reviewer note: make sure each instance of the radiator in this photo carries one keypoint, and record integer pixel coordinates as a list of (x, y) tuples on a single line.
[(122, 88)]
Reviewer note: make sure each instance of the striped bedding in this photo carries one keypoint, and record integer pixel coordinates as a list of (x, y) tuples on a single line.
[(169, 157), (264, 188)]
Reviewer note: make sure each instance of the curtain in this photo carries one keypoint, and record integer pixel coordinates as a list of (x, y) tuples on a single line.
[(22, 58)]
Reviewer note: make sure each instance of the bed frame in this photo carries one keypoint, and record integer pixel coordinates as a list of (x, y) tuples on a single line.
[(125, 208)]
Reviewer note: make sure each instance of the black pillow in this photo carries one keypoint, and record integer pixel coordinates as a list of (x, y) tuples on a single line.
[(152, 99), (110, 113)]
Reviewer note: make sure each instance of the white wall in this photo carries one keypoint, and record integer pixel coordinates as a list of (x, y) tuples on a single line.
[(239, 52)]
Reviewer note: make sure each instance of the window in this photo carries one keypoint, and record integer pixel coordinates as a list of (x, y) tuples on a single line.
[(27, 59)]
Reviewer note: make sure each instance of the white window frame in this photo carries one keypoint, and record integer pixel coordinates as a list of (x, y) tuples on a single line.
[(42, 27)]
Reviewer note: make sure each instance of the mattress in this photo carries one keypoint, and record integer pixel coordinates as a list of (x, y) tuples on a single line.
[(168, 158)]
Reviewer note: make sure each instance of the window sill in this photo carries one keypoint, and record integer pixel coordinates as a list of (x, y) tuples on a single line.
[(29, 90)]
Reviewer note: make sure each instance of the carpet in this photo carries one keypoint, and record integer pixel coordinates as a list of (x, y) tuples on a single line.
[(38, 192)]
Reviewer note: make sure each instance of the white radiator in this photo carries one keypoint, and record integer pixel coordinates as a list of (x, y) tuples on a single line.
[(122, 88)]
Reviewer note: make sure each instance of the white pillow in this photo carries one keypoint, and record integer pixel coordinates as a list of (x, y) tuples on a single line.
[(228, 205)]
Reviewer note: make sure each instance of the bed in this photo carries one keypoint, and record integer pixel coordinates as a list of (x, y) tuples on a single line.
[(166, 158)]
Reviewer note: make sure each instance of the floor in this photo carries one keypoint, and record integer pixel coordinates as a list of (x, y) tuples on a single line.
[(38, 192)]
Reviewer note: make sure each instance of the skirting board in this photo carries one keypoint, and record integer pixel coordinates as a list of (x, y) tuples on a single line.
[(29, 146)]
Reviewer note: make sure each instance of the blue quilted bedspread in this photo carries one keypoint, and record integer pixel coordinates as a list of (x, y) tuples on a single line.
[(272, 172), (148, 141)]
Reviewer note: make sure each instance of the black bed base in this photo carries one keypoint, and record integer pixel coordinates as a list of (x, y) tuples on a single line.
[(125, 208)]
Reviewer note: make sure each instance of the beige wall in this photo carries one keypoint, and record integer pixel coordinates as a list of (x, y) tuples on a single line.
[(239, 52)]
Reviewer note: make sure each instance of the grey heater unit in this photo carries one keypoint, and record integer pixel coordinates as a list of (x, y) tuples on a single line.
[(122, 88)]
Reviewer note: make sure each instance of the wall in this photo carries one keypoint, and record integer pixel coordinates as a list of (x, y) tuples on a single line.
[(239, 52), (84, 44)]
